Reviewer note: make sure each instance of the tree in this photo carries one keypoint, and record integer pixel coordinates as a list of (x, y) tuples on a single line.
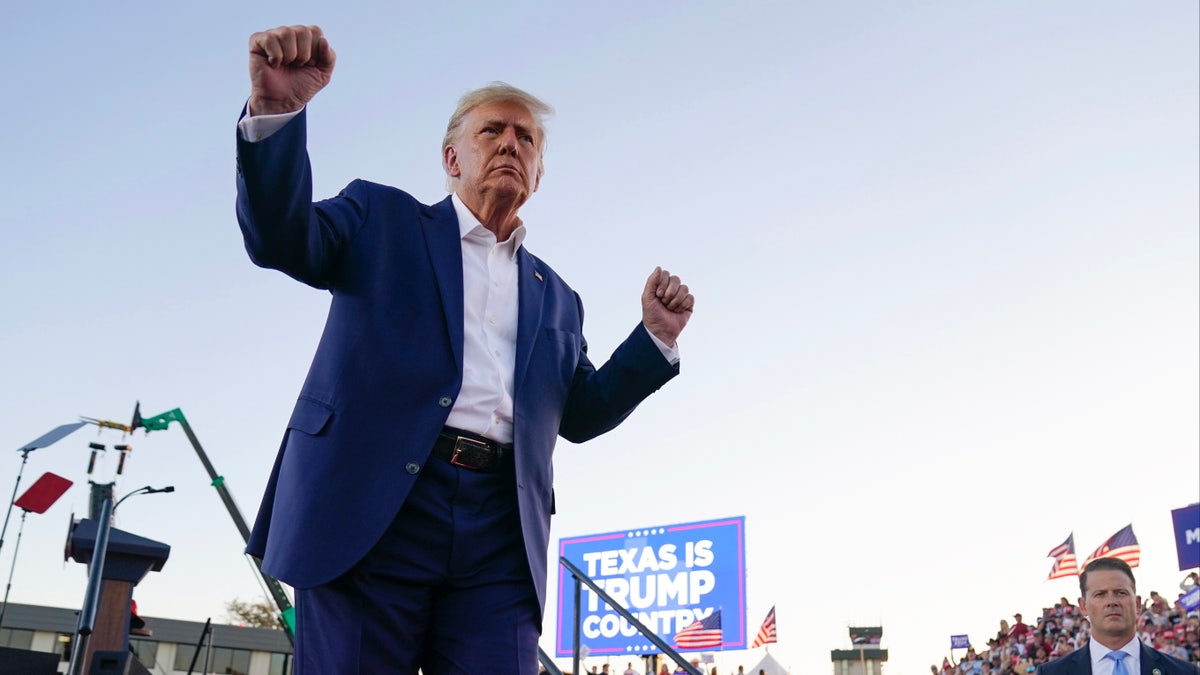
[(259, 614)]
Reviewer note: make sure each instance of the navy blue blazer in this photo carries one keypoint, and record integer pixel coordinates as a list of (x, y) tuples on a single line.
[(389, 363), (1153, 662)]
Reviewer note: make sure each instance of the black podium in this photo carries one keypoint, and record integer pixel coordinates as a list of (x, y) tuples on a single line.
[(129, 559)]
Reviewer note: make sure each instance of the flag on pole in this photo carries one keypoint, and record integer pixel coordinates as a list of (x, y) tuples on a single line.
[(701, 634), (960, 642), (766, 634), (1065, 564), (1123, 545)]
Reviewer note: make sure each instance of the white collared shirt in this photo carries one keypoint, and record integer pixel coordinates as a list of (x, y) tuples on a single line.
[(255, 128), (1101, 665), (490, 308), (485, 402)]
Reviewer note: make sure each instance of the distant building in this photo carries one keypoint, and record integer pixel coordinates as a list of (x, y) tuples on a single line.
[(865, 657), (236, 650)]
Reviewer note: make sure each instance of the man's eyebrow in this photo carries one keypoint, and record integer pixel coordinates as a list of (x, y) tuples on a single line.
[(500, 122)]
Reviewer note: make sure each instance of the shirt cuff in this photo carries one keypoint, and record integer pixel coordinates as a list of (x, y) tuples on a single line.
[(671, 354), (259, 127)]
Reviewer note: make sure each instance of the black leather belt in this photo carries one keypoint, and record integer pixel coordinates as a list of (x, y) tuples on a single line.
[(472, 451)]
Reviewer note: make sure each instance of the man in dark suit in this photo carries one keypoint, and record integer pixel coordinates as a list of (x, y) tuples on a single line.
[(410, 501), (1111, 605)]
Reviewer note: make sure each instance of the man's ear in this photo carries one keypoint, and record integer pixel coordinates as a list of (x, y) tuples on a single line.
[(450, 161)]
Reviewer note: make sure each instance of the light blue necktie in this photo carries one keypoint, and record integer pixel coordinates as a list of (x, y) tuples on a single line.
[(1118, 658)]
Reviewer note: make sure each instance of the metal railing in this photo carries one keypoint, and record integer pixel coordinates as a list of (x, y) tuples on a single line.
[(582, 579), (91, 597), (550, 666)]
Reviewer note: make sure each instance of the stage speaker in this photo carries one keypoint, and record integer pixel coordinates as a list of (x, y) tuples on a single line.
[(25, 662)]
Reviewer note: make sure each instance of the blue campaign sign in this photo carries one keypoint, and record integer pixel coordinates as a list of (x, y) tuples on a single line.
[(669, 577), (1191, 599), (1187, 535)]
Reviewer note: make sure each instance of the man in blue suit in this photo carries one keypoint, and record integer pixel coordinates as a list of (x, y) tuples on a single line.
[(1111, 605), (410, 501)]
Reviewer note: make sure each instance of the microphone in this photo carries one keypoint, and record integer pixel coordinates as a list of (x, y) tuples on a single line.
[(143, 491)]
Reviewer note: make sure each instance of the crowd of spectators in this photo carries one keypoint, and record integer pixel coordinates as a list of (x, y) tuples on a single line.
[(1019, 648)]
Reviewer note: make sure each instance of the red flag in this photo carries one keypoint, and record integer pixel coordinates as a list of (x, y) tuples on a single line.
[(1065, 564), (1123, 545), (766, 634)]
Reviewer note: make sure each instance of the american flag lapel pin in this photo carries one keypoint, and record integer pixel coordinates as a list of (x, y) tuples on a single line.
[(537, 275)]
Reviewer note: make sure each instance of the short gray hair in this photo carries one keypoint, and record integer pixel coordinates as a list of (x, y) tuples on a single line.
[(494, 92)]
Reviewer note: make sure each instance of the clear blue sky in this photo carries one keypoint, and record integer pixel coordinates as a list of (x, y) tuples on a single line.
[(946, 257)]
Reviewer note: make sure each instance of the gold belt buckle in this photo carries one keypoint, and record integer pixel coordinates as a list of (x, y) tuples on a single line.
[(471, 454)]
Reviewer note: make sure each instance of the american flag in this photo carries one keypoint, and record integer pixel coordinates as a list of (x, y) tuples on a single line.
[(766, 634), (1121, 545), (701, 634), (1065, 564)]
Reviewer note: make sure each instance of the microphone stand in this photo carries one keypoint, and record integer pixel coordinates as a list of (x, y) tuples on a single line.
[(24, 458), (13, 569), (200, 645)]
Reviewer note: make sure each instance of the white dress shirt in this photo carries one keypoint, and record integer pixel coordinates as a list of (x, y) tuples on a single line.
[(255, 128), (1101, 665), (485, 403)]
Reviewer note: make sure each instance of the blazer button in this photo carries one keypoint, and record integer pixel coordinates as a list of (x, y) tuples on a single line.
[(445, 401), (412, 468)]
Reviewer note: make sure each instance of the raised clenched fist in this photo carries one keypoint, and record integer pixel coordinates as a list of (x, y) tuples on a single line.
[(288, 66), (666, 305)]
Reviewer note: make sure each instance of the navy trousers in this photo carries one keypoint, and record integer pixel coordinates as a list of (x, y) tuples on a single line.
[(447, 589)]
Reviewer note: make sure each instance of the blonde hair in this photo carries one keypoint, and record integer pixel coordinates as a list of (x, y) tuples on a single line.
[(494, 92)]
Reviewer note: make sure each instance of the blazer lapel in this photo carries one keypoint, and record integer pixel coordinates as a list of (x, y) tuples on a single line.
[(442, 239), (1150, 661), (1085, 659), (531, 289)]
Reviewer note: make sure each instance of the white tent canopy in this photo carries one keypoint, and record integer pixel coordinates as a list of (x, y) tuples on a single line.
[(767, 665)]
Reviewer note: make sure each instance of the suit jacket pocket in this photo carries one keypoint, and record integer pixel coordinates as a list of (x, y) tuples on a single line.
[(310, 416), (561, 347)]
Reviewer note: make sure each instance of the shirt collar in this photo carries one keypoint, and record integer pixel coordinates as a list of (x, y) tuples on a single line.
[(1131, 648), (469, 226)]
